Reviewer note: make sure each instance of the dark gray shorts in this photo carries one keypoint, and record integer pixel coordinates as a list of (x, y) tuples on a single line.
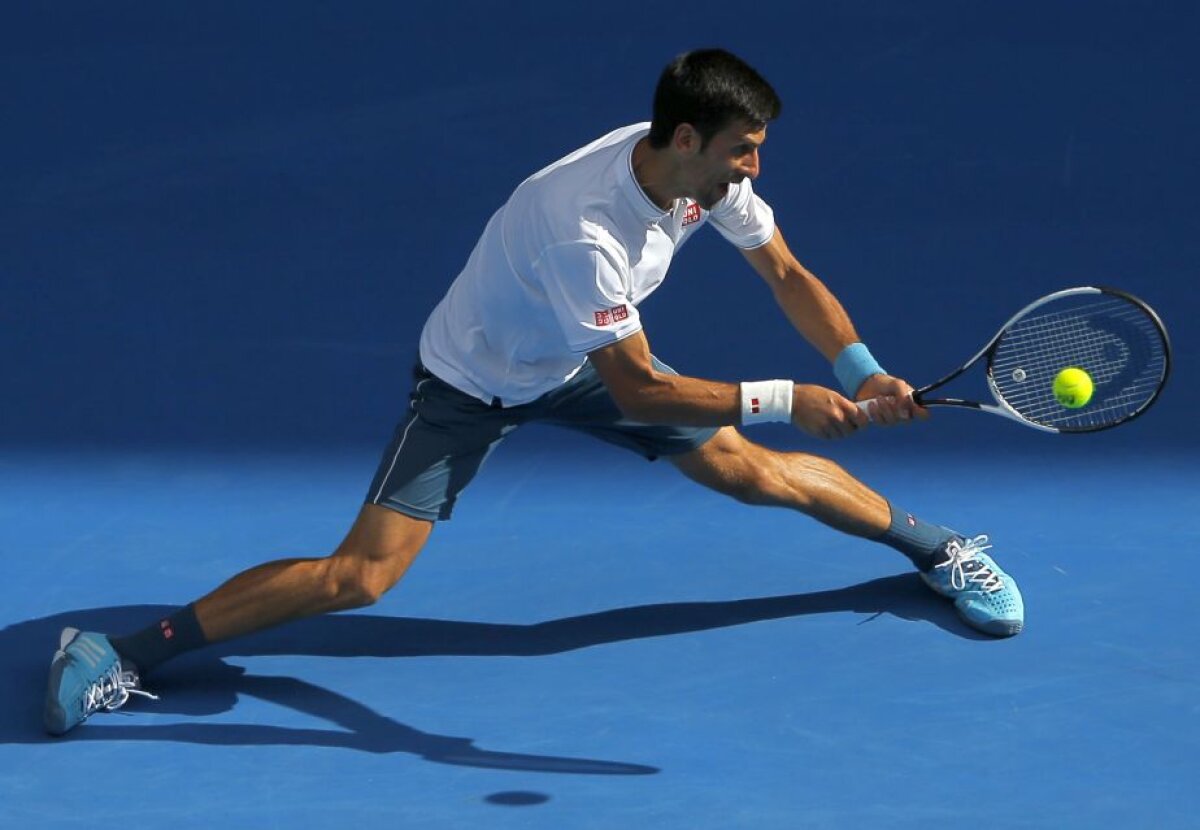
[(447, 435)]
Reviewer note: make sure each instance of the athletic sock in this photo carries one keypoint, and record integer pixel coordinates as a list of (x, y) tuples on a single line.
[(160, 642), (918, 540)]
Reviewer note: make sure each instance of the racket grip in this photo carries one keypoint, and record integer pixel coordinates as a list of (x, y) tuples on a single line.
[(863, 405)]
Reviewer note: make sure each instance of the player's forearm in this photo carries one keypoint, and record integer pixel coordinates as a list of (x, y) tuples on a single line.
[(685, 401), (814, 311), (682, 401)]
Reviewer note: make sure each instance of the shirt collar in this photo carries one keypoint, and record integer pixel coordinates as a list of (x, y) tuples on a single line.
[(641, 203)]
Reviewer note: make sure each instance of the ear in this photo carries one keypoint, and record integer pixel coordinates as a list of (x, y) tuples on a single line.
[(686, 140)]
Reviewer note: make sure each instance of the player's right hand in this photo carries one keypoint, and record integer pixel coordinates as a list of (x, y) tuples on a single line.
[(824, 413)]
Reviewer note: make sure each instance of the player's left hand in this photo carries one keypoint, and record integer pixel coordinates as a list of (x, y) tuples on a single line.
[(891, 401)]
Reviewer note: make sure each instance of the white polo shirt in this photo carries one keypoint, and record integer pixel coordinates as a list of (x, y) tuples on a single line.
[(561, 268)]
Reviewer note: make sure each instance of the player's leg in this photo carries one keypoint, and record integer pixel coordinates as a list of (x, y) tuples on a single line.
[(92, 672), (375, 554), (436, 451), (953, 565), (750, 473), (727, 462), (818, 487), (723, 459)]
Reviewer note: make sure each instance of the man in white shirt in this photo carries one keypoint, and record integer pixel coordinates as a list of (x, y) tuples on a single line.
[(542, 325)]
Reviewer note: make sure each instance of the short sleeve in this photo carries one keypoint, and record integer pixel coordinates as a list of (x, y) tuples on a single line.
[(743, 217), (585, 285)]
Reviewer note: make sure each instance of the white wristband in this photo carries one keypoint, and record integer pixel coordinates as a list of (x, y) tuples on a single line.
[(764, 401)]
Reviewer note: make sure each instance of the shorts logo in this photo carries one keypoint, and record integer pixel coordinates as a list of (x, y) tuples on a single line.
[(612, 315), (755, 407), (167, 631), (692, 215), (908, 517)]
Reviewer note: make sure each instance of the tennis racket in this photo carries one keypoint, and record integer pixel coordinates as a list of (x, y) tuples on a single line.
[(1113, 336)]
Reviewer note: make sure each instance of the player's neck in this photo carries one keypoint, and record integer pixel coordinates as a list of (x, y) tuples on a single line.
[(652, 170)]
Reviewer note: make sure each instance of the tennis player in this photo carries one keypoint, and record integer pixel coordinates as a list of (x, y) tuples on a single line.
[(542, 325)]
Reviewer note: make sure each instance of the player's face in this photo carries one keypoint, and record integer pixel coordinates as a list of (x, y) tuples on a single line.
[(731, 156)]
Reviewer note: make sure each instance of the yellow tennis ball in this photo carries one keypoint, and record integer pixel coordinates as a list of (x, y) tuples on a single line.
[(1073, 387)]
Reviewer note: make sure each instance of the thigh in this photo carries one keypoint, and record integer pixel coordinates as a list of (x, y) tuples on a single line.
[(584, 404), (382, 534), (436, 450), (379, 548)]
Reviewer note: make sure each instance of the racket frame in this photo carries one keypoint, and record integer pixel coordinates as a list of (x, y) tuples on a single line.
[(1002, 408)]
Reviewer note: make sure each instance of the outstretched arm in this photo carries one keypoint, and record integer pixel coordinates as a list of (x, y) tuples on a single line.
[(818, 315), (647, 395)]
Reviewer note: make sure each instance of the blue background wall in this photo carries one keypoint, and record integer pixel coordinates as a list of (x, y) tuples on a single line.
[(224, 223)]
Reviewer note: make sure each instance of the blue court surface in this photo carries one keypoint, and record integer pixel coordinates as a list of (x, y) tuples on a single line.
[(221, 230), (602, 644)]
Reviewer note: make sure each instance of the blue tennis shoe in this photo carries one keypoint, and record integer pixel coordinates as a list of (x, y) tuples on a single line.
[(86, 676), (986, 597)]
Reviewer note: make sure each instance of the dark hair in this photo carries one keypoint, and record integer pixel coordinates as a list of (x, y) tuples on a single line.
[(709, 89)]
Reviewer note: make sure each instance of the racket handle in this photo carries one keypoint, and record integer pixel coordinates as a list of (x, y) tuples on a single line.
[(863, 405)]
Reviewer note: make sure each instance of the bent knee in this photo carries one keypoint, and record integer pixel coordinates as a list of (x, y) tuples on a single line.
[(375, 554), (361, 578), (361, 586)]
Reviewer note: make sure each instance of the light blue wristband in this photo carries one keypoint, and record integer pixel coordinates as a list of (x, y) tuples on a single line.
[(853, 366)]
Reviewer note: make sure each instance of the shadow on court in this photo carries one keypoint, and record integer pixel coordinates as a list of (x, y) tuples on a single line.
[(203, 684)]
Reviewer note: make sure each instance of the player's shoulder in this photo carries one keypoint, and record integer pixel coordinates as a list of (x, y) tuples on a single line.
[(585, 163), (576, 197)]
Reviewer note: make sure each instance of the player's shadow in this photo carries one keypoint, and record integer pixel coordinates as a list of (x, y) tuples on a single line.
[(204, 684)]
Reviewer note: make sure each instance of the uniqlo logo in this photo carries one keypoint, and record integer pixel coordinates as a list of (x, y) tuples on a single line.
[(692, 215), (754, 406), (167, 631), (612, 315)]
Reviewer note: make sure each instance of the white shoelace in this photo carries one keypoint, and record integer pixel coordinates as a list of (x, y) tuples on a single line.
[(962, 555), (112, 691)]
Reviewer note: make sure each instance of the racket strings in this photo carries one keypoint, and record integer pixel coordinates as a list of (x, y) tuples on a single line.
[(1117, 343)]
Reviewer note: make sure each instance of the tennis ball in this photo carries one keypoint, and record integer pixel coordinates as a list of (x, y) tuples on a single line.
[(1073, 387)]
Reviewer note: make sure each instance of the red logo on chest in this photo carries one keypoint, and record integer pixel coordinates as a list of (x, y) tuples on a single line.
[(692, 215)]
